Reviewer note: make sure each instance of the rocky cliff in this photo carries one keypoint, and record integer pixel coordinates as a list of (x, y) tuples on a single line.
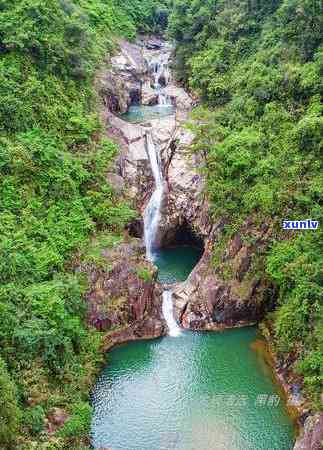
[(123, 298)]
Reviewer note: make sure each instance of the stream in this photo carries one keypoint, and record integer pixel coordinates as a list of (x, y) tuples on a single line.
[(188, 390)]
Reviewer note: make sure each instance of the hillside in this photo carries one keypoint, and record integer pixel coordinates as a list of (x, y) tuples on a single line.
[(257, 68), (54, 197)]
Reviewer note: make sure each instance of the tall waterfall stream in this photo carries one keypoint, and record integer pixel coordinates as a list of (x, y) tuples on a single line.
[(152, 212)]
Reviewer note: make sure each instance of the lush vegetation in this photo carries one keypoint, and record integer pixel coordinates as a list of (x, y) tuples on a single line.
[(53, 197), (257, 67)]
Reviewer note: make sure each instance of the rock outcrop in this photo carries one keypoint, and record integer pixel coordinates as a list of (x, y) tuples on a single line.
[(206, 302), (123, 294), (120, 85)]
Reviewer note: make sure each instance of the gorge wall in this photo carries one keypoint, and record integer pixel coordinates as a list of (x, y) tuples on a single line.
[(205, 300)]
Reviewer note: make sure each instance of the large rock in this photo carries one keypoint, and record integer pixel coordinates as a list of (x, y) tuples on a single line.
[(124, 293), (148, 95), (184, 201), (182, 101), (227, 293), (205, 302), (312, 436), (120, 85)]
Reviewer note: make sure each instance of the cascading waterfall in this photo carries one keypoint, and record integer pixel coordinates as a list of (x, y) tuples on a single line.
[(151, 221), (164, 100), (160, 69), (157, 71), (152, 211)]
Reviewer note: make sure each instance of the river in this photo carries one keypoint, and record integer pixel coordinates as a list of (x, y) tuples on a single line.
[(195, 391), (188, 390)]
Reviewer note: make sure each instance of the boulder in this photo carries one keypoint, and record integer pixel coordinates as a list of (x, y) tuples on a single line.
[(181, 98), (148, 95), (206, 302)]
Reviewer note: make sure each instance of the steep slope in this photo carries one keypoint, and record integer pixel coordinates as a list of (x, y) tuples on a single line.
[(54, 197), (257, 69)]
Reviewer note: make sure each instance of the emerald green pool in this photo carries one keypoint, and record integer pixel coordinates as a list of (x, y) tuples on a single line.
[(142, 113), (197, 391), (176, 263)]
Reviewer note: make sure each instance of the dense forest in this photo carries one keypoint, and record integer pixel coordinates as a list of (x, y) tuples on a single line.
[(256, 67), (54, 197)]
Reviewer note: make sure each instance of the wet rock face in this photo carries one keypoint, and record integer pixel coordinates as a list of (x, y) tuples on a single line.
[(205, 302), (125, 292), (312, 436)]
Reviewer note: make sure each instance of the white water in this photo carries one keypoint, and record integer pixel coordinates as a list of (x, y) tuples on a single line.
[(164, 100), (160, 68), (168, 312), (152, 212)]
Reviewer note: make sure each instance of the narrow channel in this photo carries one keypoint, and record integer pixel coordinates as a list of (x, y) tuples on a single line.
[(188, 390)]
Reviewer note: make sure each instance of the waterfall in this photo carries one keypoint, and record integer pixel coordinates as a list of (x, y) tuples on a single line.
[(166, 73), (158, 68), (173, 328), (152, 211), (164, 100)]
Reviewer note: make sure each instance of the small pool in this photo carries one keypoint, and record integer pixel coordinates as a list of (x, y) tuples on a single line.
[(142, 113), (176, 263)]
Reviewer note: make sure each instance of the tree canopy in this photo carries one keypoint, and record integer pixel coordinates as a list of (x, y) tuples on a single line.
[(257, 67)]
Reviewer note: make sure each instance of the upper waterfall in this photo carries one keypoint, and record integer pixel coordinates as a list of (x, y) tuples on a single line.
[(159, 69), (159, 66)]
